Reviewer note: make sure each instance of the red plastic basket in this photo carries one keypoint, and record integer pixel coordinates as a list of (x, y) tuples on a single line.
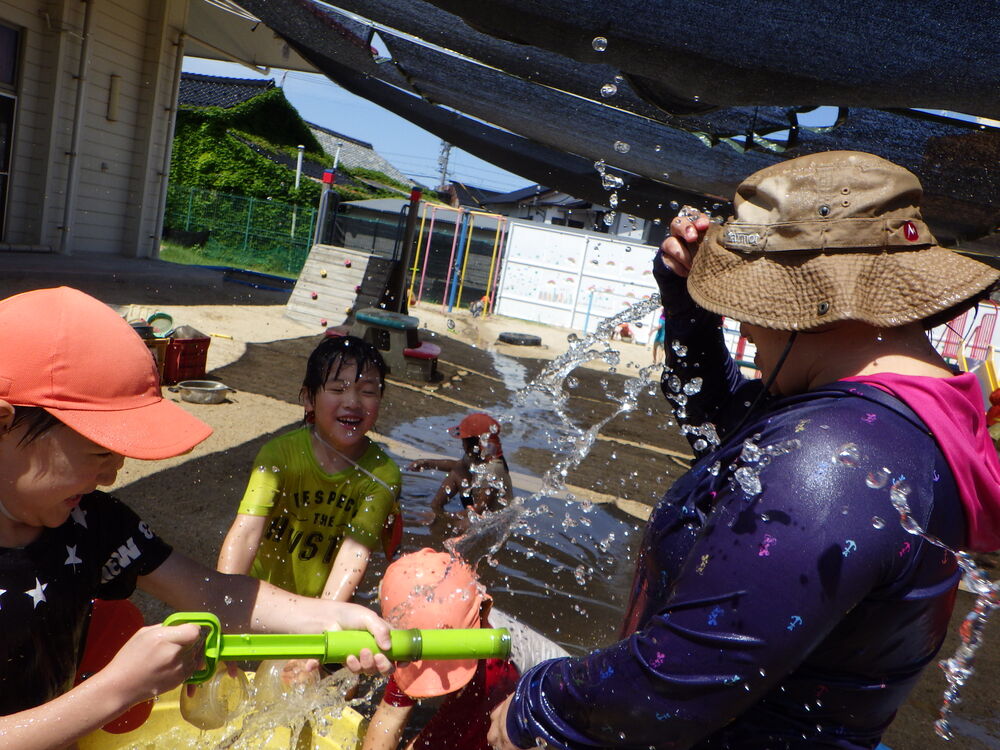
[(185, 360)]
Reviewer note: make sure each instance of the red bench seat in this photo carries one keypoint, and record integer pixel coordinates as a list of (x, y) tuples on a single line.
[(426, 350)]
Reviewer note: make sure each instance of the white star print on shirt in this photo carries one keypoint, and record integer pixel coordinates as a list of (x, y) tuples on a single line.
[(37, 593), (71, 558), (79, 515)]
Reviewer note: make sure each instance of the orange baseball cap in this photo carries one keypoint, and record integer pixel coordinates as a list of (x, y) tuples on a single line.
[(477, 424), (429, 589), (75, 357)]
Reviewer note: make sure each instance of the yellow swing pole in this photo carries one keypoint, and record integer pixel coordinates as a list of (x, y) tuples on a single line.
[(465, 261), (493, 265), (416, 255)]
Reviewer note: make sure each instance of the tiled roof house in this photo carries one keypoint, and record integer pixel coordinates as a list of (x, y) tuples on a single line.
[(355, 153)]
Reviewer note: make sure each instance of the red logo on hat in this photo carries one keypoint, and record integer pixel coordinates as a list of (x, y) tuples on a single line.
[(910, 231)]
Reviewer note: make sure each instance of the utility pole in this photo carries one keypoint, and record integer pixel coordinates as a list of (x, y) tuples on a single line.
[(443, 163)]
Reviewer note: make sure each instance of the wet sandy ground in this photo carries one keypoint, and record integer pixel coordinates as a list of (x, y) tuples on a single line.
[(190, 500)]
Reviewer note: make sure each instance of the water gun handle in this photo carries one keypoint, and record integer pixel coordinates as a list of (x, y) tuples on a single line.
[(337, 645)]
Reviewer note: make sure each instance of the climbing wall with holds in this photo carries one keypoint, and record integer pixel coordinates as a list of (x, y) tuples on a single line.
[(327, 286)]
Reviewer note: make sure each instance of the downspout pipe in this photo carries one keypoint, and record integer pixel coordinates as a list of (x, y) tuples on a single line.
[(73, 155), (168, 144)]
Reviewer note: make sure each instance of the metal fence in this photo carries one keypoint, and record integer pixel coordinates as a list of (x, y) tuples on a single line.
[(238, 230)]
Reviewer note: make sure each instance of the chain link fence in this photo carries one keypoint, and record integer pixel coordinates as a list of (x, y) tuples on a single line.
[(238, 230)]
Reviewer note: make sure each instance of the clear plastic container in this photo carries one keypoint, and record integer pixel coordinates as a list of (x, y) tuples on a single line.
[(214, 703)]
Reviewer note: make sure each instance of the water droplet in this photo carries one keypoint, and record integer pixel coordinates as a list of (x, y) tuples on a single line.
[(227, 599), (572, 382), (877, 522), (451, 324), (899, 492), (599, 43), (609, 218), (679, 349), (700, 444), (572, 338), (657, 148), (610, 181), (748, 480), (848, 455), (877, 479), (613, 200), (693, 386), (675, 205), (608, 90), (580, 573), (621, 147), (751, 451)]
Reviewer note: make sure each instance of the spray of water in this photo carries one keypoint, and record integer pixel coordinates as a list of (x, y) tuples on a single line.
[(489, 534), (959, 667)]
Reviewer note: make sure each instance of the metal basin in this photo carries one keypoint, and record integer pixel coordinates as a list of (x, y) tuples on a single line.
[(202, 391)]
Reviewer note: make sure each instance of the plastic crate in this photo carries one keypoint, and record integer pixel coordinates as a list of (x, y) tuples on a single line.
[(185, 360)]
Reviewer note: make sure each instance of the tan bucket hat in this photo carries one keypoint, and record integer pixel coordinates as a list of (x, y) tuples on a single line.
[(830, 237)]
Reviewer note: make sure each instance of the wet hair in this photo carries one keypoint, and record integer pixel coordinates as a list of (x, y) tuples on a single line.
[(36, 421), (329, 357)]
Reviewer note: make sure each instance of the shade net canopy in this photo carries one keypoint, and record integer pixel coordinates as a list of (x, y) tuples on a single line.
[(667, 102)]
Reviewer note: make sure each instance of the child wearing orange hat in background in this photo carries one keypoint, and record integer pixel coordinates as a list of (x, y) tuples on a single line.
[(429, 589), (481, 477)]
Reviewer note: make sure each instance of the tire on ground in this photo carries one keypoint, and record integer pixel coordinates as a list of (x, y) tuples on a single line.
[(519, 339)]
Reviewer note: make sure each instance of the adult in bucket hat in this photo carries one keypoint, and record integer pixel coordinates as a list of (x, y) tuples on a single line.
[(78, 393), (778, 601)]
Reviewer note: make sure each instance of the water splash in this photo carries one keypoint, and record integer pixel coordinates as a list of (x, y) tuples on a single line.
[(573, 443), (959, 667)]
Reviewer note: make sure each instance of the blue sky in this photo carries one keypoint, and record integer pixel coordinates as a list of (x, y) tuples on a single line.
[(412, 150)]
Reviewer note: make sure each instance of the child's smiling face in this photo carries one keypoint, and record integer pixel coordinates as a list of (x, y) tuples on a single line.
[(346, 408), (42, 481)]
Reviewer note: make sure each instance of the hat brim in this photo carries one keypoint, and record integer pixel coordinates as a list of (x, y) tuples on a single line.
[(429, 679), (809, 289), (155, 430)]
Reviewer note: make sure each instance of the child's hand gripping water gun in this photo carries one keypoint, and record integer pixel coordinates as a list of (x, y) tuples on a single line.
[(334, 646)]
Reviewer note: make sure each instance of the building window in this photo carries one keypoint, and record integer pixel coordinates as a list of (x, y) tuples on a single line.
[(10, 50), (9, 53)]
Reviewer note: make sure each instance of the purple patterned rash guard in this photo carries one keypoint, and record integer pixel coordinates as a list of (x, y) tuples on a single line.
[(777, 601)]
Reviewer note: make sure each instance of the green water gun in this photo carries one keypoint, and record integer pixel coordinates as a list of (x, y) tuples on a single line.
[(334, 646)]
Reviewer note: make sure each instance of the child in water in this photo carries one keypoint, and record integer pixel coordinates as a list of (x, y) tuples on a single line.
[(67, 420), (322, 497), (429, 589), (480, 478)]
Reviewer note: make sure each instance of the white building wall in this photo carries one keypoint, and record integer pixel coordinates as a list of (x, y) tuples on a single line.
[(120, 163), (37, 99)]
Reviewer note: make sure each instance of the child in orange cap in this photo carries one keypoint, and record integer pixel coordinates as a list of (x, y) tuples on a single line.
[(429, 589), (481, 477), (79, 392)]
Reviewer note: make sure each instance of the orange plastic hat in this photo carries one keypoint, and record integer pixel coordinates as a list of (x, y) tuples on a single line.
[(74, 356), (477, 424), (429, 589)]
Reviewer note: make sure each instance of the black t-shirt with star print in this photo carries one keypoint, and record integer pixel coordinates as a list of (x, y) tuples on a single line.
[(46, 591)]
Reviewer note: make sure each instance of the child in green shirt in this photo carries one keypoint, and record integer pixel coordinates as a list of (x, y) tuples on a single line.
[(321, 497)]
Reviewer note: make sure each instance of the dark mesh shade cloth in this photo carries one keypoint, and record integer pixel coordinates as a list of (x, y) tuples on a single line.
[(518, 84)]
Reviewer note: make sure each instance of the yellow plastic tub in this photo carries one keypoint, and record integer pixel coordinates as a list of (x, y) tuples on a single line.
[(167, 729)]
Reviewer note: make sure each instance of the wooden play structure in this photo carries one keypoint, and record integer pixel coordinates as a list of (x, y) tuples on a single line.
[(341, 290)]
